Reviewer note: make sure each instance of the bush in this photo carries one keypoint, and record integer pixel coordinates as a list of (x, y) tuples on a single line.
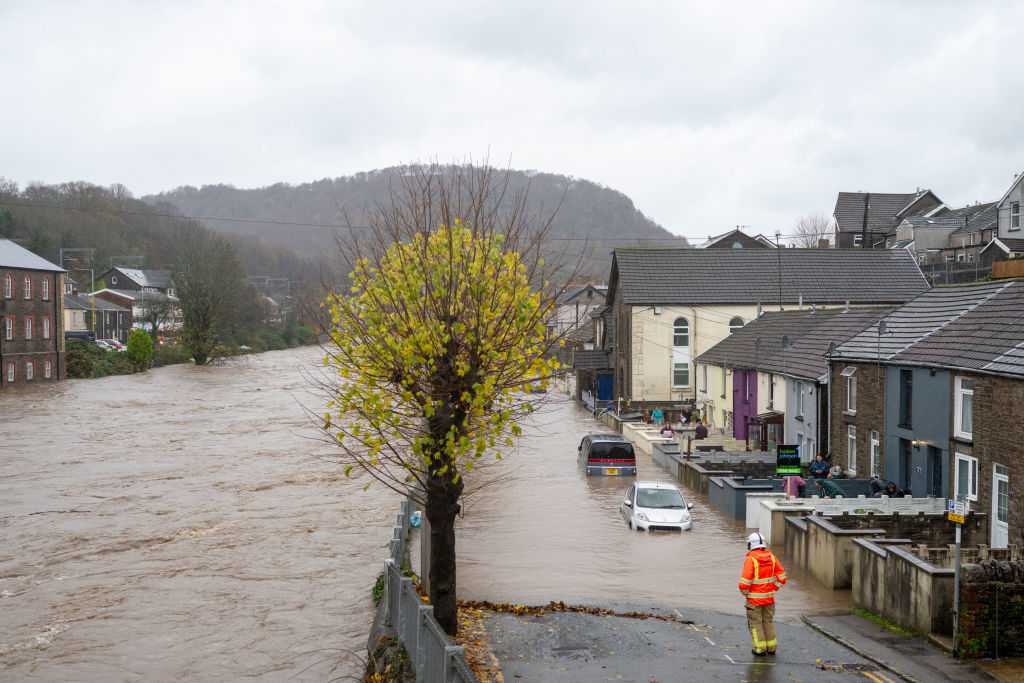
[(171, 354), (80, 357), (140, 349)]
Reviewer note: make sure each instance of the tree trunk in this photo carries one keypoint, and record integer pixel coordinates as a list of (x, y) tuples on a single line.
[(442, 507)]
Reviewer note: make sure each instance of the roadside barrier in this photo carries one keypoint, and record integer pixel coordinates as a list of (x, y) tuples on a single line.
[(433, 657)]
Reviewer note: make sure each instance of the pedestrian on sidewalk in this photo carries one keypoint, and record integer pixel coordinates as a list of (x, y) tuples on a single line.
[(762, 576)]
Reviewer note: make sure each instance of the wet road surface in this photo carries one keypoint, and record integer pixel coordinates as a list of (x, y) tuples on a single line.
[(549, 532), (179, 525)]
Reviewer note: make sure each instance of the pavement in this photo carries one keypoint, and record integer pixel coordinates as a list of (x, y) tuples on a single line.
[(583, 648)]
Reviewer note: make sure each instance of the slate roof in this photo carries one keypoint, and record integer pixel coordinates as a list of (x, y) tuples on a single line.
[(571, 293), (138, 295), (849, 209), (934, 221), (808, 334), (712, 241), (984, 217), (973, 327), (1008, 245), (591, 360), (85, 302), (582, 334), (161, 279), (13, 255), (749, 276)]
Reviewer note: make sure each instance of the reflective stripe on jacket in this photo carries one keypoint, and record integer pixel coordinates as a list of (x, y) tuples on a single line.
[(762, 576)]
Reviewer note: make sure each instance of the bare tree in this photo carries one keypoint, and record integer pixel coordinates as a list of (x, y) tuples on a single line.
[(809, 229), (157, 310), (437, 343)]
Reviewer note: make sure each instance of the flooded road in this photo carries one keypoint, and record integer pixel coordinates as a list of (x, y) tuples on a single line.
[(184, 524), (552, 533), (179, 524)]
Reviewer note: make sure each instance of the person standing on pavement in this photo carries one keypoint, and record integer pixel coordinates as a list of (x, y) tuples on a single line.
[(762, 576)]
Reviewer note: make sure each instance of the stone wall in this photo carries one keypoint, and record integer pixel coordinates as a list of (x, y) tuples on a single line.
[(931, 530), (992, 609)]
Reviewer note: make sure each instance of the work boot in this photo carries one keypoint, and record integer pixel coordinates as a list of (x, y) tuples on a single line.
[(758, 653)]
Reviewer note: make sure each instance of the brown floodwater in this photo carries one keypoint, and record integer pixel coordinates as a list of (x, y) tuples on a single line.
[(181, 525), (185, 524), (549, 532)]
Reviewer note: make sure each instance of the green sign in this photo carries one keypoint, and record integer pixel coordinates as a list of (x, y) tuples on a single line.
[(787, 460)]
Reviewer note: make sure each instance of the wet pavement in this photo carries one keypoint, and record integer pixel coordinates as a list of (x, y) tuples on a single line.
[(181, 525), (548, 532)]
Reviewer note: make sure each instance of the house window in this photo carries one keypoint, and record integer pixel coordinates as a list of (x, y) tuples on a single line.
[(45, 289), (113, 279), (735, 324), (30, 370), (1015, 216), (680, 353), (8, 286), (906, 398), (876, 455), (771, 389), (800, 400), (849, 372), (47, 369), (10, 372), (851, 448), (28, 287), (966, 477), (963, 405), (46, 328), (28, 328), (69, 288), (9, 328), (858, 239)]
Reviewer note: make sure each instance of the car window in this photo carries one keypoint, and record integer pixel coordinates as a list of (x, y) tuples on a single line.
[(659, 498), (612, 449)]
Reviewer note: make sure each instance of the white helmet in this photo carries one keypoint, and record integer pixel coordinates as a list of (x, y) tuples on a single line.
[(755, 540)]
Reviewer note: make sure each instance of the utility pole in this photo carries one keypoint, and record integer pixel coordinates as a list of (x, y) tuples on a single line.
[(778, 249)]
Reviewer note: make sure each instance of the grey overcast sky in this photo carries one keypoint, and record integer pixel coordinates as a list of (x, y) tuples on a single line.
[(706, 114)]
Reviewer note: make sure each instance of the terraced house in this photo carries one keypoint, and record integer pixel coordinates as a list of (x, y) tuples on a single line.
[(665, 307), (932, 397), (31, 317)]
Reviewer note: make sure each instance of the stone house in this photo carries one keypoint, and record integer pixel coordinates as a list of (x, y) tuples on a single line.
[(665, 307), (778, 364), (31, 317), (930, 397), (864, 220)]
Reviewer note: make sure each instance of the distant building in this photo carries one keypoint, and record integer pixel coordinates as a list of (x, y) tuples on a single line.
[(737, 239), (31, 317), (88, 316), (865, 219), (1009, 240), (575, 306), (142, 292), (139, 280)]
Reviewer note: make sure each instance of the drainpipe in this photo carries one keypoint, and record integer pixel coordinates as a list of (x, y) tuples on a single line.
[(828, 389)]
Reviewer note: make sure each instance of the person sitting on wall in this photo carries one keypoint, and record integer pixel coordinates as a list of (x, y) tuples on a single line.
[(836, 472), (700, 432), (819, 468), (877, 487), (894, 491)]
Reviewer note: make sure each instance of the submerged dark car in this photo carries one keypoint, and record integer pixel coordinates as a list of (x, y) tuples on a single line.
[(607, 454)]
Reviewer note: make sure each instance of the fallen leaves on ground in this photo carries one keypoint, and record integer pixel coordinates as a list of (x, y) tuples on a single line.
[(559, 606), (473, 638)]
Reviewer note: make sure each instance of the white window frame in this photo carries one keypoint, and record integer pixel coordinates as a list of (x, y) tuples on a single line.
[(736, 323), (972, 476), (45, 289), (46, 328), (30, 370), (851, 448), (27, 287), (47, 369), (9, 328), (800, 399), (28, 328), (858, 239), (12, 372), (959, 392), (1014, 215), (849, 372), (8, 286), (681, 353), (876, 454)]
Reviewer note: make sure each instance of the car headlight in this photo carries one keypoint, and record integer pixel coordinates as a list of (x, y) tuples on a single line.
[(641, 516)]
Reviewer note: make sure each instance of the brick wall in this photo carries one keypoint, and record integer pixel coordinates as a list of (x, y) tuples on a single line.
[(998, 439), (870, 413), (931, 530), (38, 349), (992, 609)]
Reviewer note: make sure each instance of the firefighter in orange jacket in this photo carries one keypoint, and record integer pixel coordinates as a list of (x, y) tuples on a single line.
[(762, 576)]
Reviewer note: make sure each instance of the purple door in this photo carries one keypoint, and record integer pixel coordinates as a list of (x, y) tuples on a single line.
[(744, 401)]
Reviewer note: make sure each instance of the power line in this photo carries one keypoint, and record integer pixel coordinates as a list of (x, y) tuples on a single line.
[(338, 226)]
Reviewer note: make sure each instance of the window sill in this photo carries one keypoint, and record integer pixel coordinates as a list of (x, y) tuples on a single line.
[(964, 439), (850, 413)]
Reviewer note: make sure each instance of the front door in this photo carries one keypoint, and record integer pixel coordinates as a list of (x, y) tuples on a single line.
[(1000, 506), (744, 401)]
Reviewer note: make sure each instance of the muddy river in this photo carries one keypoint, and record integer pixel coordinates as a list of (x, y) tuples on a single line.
[(185, 524)]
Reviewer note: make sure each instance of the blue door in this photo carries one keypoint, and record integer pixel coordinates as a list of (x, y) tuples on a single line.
[(604, 387)]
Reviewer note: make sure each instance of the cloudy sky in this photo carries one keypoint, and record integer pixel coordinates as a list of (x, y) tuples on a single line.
[(706, 114)]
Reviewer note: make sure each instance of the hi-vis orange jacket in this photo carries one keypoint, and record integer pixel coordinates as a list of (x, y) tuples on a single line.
[(762, 575)]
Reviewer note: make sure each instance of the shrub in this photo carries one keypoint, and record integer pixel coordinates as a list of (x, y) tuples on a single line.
[(171, 354), (140, 349)]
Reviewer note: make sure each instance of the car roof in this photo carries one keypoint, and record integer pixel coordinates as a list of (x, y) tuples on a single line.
[(608, 437), (656, 485)]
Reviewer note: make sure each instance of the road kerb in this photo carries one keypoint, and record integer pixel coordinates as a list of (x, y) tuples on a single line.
[(850, 646)]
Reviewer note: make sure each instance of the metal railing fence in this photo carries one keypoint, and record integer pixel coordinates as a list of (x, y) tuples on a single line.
[(433, 656)]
